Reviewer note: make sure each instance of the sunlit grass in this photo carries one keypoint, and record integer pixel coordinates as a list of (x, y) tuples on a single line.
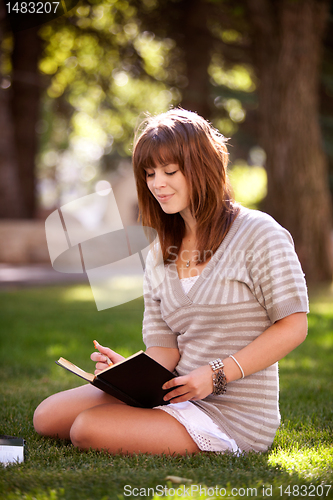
[(306, 363), (106, 293), (79, 293), (307, 462), (43, 495)]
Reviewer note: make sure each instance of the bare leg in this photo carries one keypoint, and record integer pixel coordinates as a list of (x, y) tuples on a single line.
[(93, 419), (56, 414), (123, 429)]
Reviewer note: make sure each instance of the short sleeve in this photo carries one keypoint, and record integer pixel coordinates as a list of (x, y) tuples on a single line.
[(278, 280), (155, 331)]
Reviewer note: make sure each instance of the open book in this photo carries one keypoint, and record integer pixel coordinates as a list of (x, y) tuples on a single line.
[(137, 380)]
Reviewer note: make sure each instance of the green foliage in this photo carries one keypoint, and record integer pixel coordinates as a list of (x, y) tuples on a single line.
[(249, 184), (238, 78), (106, 64), (39, 325), (103, 73), (108, 61), (106, 69)]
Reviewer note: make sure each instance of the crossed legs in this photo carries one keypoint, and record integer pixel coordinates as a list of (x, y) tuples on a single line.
[(92, 419)]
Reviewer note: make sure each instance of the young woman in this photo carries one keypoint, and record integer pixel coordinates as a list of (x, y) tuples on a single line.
[(232, 303)]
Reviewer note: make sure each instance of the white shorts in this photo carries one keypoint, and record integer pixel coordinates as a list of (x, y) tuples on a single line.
[(204, 432)]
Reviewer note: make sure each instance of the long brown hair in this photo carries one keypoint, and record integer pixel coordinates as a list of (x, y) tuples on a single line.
[(188, 140)]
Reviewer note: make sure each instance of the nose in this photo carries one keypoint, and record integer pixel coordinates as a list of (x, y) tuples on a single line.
[(159, 180)]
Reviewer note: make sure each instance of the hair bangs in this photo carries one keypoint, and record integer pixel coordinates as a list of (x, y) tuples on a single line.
[(158, 147)]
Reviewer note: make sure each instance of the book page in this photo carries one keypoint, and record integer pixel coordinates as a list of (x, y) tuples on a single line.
[(75, 369)]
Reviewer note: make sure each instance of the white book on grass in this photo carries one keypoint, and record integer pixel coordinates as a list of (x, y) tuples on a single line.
[(11, 450)]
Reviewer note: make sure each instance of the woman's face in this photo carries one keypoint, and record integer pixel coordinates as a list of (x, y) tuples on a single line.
[(168, 184)]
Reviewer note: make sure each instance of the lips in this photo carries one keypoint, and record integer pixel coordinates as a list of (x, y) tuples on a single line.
[(164, 198)]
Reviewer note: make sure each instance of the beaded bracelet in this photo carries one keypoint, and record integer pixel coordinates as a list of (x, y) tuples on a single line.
[(219, 378)]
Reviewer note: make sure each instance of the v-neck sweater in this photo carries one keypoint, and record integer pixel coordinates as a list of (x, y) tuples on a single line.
[(253, 280)]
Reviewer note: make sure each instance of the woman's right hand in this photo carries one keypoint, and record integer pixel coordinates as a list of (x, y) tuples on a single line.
[(101, 357)]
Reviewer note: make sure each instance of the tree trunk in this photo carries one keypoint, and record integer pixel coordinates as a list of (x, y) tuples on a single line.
[(196, 43), (25, 111), (10, 206), (10, 203), (287, 37)]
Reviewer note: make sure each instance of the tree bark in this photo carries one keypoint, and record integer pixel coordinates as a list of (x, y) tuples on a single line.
[(10, 206), (196, 43), (287, 37), (25, 111)]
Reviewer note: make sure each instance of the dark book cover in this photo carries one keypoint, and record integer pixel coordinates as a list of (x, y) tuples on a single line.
[(137, 381)]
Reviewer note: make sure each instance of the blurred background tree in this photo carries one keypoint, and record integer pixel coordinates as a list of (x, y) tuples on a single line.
[(20, 101), (287, 47), (72, 92)]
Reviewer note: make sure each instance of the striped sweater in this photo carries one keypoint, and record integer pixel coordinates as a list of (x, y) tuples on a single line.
[(253, 279)]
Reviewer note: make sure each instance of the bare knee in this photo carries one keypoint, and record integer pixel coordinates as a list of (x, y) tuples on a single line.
[(41, 418), (81, 432), (47, 419)]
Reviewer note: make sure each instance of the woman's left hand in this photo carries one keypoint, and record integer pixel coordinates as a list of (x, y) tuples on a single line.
[(198, 384)]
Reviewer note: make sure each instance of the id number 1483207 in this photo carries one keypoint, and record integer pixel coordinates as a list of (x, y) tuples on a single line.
[(305, 490), (32, 7)]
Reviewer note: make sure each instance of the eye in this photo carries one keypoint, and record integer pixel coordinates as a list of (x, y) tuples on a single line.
[(171, 173), (149, 174)]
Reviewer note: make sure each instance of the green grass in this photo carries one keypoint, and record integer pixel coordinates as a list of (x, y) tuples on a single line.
[(39, 325)]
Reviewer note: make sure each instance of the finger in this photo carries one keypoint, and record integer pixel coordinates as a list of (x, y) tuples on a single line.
[(174, 382), (109, 353), (180, 399), (180, 391), (94, 356), (96, 372), (101, 366), (106, 351), (101, 348), (97, 356)]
